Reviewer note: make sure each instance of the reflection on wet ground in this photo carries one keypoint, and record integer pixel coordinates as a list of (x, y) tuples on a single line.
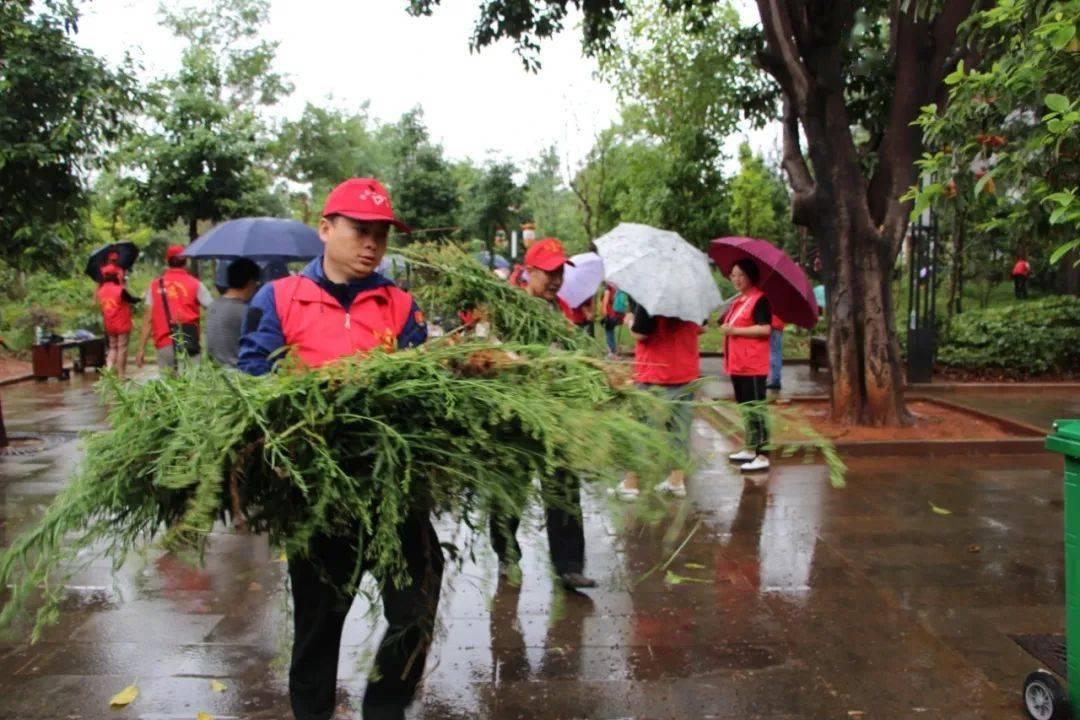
[(788, 599)]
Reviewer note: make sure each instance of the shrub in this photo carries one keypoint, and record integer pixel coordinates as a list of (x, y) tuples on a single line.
[(1023, 338)]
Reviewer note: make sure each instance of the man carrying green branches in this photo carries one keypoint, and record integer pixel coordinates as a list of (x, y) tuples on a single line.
[(544, 262), (336, 307)]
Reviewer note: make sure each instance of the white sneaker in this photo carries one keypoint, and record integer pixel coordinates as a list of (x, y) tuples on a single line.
[(742, 456), (758, 463), (624, 493), (666, 488)]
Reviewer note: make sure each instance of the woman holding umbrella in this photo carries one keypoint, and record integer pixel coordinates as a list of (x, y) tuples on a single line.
[(116, 304), (746, 327)]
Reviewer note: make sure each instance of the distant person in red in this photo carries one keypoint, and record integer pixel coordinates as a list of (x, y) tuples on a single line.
[(174, 303), (746, 327), (115, 305), (776, 353), (611, 320), (1020, 273)]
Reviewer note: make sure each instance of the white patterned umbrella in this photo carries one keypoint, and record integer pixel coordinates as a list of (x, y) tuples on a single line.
[(662, 272)]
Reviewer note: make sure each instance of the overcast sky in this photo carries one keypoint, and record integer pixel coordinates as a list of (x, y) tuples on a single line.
[(357, 50)]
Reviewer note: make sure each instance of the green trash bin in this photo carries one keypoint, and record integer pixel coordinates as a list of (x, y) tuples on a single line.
[(1044, 698)]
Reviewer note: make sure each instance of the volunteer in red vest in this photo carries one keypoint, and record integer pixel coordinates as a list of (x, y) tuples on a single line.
[(611, 320), (544, 262), (336, 307), (115, 303), (581, 316), (1020, 273), (174, 303), (666, 361), (776, 352), (746, 327)]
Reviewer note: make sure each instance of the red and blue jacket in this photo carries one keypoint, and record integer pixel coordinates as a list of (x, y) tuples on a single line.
[(323, 321)]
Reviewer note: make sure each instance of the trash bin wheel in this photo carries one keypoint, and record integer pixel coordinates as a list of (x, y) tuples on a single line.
[(1044, 698)]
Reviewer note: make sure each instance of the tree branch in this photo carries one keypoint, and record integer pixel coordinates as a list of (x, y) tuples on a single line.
[(794, 162), (781, 58)]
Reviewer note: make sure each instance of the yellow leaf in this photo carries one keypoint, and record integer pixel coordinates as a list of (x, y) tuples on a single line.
[(125, 697), (204, 716), (218, 686), (940, 510)]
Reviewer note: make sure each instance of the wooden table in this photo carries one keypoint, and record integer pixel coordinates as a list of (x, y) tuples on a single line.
[(48, 358)]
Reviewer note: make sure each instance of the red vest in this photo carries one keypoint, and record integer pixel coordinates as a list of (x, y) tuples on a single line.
[(321, 331), (577, 315), (669, 354), (115, 312), (745, 355), (182, 289)]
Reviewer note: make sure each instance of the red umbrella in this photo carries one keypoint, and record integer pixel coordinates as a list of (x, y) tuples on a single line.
[(782, 280)]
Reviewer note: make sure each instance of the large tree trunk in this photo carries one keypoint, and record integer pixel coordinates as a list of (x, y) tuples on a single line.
[(859, 223)]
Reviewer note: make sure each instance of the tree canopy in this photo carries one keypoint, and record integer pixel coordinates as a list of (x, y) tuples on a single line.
[(61, 108)]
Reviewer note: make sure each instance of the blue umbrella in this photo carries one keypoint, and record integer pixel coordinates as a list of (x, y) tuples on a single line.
[(258, 238), (484, 258)]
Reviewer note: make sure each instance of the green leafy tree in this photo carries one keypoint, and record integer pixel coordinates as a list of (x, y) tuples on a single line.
[(853, 78), (492, 202), (61, 109), (549, 203), (421, 179), (758, 200), (684, 88), (204, 158), (1004, 148), (326, 145)]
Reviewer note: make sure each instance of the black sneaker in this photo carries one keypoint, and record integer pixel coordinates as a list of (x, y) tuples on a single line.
[(576, 581)]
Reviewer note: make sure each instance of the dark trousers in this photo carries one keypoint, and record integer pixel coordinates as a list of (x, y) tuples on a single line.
[(751, 389), (320, 607), (1020, 286), (566, 535)]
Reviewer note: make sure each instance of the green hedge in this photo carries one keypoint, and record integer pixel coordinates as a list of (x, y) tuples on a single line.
[(1023, 338)]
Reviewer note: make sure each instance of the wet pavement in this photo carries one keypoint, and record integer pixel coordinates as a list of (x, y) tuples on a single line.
[(788, 599)]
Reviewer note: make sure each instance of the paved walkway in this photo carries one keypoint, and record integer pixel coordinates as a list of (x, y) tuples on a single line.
[(789, 600)]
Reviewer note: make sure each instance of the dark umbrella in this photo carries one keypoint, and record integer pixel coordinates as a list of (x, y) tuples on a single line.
[(258, 238), (782, 280), (126, 253)]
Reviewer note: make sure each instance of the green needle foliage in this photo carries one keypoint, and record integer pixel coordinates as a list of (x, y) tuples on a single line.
[(455, 427), (450, 280)]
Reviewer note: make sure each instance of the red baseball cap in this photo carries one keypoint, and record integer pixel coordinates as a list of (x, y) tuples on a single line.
[(174, 251), (546, 255), (362, 199)]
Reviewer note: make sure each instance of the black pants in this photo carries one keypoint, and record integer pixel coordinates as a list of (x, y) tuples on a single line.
[(566, 535), (751, 389), (1020, 286), (320, 607)]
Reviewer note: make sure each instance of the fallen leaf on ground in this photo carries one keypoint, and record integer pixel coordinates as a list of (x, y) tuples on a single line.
[(940, 510), (218, 686), (974, 548), (204, 716), (673, 578), (125, 697), (855, 713)]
